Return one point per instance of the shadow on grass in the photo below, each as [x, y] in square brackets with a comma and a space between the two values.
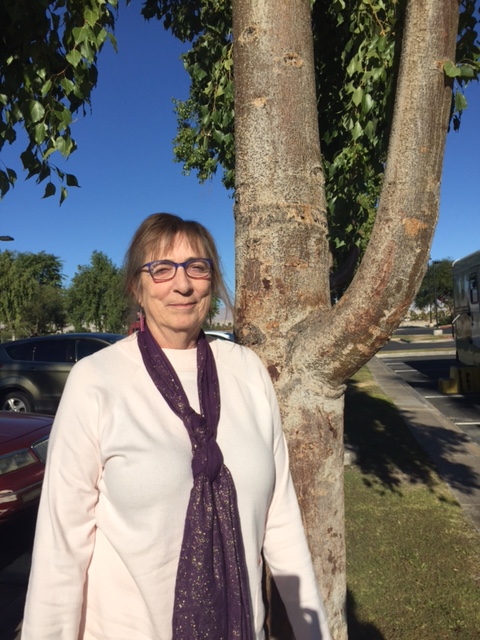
[358, 630]
[385, 449]
[382, 446]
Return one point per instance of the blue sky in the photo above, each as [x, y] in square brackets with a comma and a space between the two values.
[124, 164]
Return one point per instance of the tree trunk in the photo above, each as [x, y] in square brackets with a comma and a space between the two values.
[282, 295]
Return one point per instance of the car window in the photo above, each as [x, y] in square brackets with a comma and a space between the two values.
[86, 346]
[21, 351]
[51, 351]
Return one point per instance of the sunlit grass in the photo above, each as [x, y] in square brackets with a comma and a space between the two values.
[413, 566]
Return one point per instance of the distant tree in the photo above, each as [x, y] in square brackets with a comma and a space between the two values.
[96, 298]
[42, 268]
[45, 311]
[24, 279]
[437, 290]
[9, 303]
[213, 311]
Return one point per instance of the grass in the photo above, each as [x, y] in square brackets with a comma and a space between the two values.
[413, 558]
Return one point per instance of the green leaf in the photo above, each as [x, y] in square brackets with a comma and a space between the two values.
[466, 71]
[63, 195]
[46, 87]
[460, 101]
[357, 96]
[91, 16]
[50, 190]
[67, 85]
[80, 34]
[36, 110]
[357, 131]
[74, 57]
[367, 103]
[450, 69]
[40, 132]
[61, 145]
[71, 180]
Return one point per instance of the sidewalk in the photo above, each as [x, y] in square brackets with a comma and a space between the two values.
[456, 457]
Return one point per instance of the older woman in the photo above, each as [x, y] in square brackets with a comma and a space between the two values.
[167, 475]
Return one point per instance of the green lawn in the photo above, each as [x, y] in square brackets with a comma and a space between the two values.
[413, 558]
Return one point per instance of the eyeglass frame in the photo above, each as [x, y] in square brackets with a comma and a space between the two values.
[148, 267]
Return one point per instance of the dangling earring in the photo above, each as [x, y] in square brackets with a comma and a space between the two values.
[141, 320]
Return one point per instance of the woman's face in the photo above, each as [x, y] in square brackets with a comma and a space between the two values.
[175, 310]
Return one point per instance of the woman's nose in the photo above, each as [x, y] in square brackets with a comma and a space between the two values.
[182, 281]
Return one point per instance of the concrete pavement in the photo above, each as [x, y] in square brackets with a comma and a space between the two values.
[456, 457]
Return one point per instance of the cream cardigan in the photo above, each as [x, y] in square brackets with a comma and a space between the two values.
[116, 489]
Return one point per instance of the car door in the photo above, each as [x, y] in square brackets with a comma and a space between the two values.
[52, 362]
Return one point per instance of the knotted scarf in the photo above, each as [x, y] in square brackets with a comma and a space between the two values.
[211, 591]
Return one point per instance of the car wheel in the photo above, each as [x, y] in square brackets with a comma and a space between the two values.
[17, 401]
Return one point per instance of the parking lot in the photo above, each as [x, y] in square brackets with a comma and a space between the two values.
[422, 373]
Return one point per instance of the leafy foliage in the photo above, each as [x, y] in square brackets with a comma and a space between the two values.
[436, 289]
[33, 300]
[96, 298]
[357, 47]
[467, 65]
[205, 120]
[26, 281]
[45, 311]
[48, 54]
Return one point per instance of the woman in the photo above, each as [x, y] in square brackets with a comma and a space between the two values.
[167, 475]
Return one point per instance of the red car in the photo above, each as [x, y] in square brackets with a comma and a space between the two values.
[23, 450]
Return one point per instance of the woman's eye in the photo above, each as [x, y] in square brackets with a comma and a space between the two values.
[198, 267]
[161, 269]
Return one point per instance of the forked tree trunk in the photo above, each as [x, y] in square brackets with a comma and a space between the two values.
[282, 295]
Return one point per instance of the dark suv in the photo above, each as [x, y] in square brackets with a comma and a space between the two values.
[33, 371]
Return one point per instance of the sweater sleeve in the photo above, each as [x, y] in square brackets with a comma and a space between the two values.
[65, 532]
[285, 546]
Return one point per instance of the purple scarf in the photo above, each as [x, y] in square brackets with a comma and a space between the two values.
[211, 591]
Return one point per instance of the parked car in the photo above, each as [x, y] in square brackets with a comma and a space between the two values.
[223, 335]
[33, 371]
[23, 449]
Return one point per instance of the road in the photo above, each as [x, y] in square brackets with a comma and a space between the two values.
[412, 362]
[16, 540]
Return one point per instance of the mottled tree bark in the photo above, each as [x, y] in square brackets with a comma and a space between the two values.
[283, 306]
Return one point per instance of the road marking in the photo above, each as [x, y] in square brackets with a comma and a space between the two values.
[445, 397]
[465, 424]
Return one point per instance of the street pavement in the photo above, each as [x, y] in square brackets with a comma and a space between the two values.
[455, 455]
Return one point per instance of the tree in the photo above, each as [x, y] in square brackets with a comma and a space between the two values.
[280, 210]
[96, 297]
[436, 289]
[45, 310]
[24, 279]
[356, 56]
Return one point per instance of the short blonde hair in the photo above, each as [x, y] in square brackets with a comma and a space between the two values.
[157, 234]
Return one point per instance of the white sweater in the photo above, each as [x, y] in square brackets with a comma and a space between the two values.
[116, 489]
